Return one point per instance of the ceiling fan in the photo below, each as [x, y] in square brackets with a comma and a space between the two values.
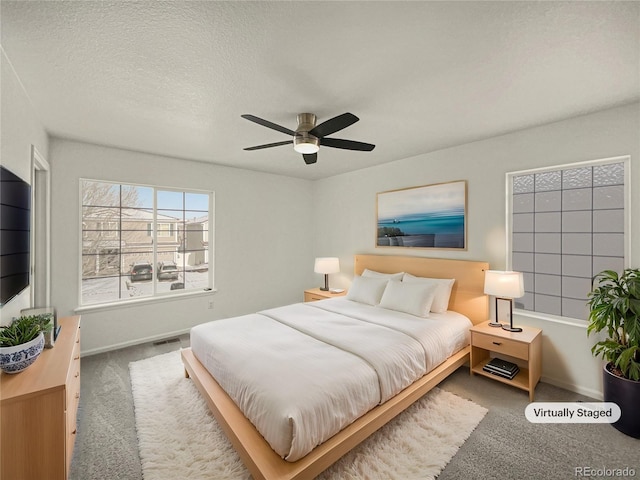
[308, 137]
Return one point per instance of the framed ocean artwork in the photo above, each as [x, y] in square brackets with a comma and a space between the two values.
[431, 216]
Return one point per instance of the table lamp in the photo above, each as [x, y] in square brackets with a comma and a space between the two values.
[326, 265]
[504, 286]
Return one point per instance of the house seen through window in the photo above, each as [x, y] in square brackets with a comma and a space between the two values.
[143, 241]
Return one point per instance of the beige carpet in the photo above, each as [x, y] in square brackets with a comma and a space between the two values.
[179, 438]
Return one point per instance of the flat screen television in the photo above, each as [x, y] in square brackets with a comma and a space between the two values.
[15, 235]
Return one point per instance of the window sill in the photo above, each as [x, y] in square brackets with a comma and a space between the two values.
[573, 322]
[98, 307]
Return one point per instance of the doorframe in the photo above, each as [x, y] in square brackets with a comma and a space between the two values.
[41, 230]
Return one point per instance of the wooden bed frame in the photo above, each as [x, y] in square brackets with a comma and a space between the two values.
[467, 297]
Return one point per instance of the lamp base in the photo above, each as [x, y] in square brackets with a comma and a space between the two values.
[326, 283]
[495, 324]
[511, 329]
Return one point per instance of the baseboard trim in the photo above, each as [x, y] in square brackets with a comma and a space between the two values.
[131, 343]
[588, 392]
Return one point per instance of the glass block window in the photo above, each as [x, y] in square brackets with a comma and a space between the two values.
[566, 224]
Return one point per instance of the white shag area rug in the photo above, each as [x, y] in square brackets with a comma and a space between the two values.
[178, 437]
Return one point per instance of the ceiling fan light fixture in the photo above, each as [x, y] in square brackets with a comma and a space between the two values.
[308, 136]
[305, 143]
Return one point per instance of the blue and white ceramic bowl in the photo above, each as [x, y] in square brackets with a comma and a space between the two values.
[15, 359]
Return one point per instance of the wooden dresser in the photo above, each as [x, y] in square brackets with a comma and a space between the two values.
[38, 411]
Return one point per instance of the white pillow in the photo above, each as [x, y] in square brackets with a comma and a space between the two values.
[367, 290]
[412, 298]
[443, 290]
[388, 276]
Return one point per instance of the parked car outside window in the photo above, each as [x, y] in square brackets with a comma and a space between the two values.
[141, 271]
[167, 271]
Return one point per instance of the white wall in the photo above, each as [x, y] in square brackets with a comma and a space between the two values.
[263, 240]
[345, 211]
[19, 130]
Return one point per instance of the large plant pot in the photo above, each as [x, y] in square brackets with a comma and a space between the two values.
[626, 394]
[17, 358]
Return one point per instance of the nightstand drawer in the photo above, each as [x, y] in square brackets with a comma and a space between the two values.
[309, 297]
[501, 345]
[314, 294]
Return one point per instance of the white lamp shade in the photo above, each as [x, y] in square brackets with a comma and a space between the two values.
[327, 265]
[504, 284]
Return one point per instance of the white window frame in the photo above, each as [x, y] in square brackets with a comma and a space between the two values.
[156, 296]
[626, 160]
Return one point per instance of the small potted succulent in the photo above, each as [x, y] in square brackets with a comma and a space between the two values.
[22, 342]
[614, 307]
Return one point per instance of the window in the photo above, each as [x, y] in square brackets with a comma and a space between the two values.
[565, 225]
[108, 229]
[165, 230]
[140, 241]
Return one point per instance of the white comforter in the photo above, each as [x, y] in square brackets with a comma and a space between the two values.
[303, 372]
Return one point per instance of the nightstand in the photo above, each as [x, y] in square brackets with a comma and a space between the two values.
[523, 348]
[313, 294]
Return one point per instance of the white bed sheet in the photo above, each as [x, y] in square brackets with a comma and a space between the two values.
[303, 372]
[397, 358]
[296, 390]
[441, 334]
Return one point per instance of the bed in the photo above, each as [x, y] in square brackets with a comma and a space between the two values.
[301, 331]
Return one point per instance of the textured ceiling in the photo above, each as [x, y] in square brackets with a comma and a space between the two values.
[173, 78]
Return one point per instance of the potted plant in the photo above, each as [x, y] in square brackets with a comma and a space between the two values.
[614, 307]
[22, 342]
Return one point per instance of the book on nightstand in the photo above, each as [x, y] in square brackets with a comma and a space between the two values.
[503, 368]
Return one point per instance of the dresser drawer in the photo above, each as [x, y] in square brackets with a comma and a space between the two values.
[72, 432]
[505, 346]
[73, 388]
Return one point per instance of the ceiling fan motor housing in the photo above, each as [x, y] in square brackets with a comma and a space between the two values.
[303, 142]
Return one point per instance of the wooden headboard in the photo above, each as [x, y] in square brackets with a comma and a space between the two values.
[467, 295]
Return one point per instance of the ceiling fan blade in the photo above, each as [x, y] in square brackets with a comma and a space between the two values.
[333, 125]
[346, 144]
[268, 124]
[310, 158]
[268, 145]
